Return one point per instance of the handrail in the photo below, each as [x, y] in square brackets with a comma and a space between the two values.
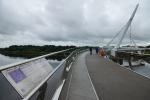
[63, 65]
[32, 59]
[48, 77]
[37, 88]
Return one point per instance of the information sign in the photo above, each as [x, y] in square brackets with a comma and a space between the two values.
[24, 78]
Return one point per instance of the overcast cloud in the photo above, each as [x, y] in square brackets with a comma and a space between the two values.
[70, 22]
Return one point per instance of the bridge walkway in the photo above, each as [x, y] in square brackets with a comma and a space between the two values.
[113, 82]
[96, 78]
[79, 85]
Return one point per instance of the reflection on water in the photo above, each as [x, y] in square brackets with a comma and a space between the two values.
[54, 63]
[5, 60]
[143, 70]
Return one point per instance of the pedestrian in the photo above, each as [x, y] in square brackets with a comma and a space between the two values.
[90, 50]
[102, 52]
[96, 49]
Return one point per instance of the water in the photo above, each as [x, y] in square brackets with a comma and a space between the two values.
[5, 60]
[54, 63]
[142, 70]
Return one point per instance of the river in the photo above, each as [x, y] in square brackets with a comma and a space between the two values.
[5, 60]
[142, 70]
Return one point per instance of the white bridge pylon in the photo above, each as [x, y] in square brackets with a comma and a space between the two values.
[125, 29]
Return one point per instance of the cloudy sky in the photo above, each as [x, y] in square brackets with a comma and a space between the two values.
[70, 22]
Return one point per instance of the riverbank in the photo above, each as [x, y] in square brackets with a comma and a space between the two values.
[30, 51]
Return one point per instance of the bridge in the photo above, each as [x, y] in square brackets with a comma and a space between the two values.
[131, 52]
[80, 76]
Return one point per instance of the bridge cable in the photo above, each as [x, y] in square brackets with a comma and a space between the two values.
[119, 32]
[131, 38]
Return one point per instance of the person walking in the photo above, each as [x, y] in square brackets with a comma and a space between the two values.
[90, 50]
[102, 52]
[96, 49]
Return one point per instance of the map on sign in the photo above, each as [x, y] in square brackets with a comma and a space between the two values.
[17, 75]
[24, 78]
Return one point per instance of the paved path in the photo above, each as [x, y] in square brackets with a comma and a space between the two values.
[113, 82]
[80, 87]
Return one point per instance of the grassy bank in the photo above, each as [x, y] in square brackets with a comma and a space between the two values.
[29, 51]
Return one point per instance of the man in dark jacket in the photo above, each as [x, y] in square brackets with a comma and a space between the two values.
[90, 50]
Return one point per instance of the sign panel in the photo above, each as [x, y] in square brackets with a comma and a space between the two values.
[24, 78]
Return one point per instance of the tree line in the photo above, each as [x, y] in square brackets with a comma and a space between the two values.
[30, 51]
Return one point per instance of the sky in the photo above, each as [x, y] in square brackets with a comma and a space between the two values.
[71, 22]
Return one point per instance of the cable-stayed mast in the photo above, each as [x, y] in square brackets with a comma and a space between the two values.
[127, 26]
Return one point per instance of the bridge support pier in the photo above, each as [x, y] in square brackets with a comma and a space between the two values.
[120, 60]
[130, 63]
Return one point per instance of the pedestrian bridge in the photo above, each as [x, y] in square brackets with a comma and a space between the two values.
[80, 76]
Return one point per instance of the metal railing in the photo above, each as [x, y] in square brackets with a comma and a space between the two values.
[30, 60]
[46, 89]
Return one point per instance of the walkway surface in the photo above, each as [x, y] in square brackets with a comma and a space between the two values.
[96, 78]
[113, 82]
[80, 85]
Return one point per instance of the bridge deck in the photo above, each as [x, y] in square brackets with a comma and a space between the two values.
[79, 85]
[113, 82]
[110, 81]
